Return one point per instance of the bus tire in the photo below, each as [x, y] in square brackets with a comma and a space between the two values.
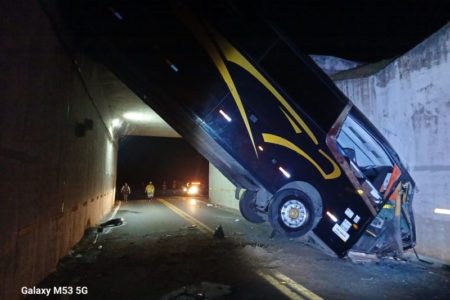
[248, 208]
[293, 213]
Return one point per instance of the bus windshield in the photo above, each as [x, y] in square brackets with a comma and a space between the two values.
[368, 152]
[368, 160]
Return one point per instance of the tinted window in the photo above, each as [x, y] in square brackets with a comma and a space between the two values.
[317, 96]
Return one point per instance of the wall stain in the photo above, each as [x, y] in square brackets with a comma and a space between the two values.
[424, 119]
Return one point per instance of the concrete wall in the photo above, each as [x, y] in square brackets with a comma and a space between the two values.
[54, 184]
[221, 190]
[409, 101]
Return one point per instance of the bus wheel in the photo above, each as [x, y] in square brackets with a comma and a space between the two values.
[248, 208]
[293, 213]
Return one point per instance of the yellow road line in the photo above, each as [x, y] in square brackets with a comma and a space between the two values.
[298, 287]
[281, 282]
[187, 217]
[279, 286]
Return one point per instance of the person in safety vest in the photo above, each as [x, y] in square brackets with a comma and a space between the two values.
[150, 190]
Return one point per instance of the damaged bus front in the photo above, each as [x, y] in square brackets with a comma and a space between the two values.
[380, 178]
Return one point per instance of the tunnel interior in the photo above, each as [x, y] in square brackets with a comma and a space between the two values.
[170, 163]
[60, 146]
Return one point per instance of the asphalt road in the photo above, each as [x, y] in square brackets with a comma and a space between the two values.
[166, 249]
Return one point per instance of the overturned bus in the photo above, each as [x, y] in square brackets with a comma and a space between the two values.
[235, 87]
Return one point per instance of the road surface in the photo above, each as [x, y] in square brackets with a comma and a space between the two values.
[166, 249]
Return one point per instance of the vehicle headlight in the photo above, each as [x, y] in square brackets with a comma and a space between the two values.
[193, 190]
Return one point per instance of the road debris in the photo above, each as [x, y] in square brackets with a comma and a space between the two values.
[206, 290]
[272, 234]
[361, 257]
[218, 233]
[113, 222]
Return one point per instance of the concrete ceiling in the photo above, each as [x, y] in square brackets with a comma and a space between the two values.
[120, 102]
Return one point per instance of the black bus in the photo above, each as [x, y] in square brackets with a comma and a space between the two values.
[301, 155]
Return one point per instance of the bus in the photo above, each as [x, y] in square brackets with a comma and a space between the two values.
[301, 155]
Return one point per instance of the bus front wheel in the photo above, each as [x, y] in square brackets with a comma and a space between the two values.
[247, 207]
[293, 213]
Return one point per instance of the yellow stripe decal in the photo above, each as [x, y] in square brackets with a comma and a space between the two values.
[232, 55]
[278, 140]
[336, 170]
[296, 128]
[208, 44]
[219, 48]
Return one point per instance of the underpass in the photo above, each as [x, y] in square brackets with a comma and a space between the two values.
[169, 247]
[61, 119]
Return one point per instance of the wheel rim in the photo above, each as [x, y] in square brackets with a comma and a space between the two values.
[294, 213]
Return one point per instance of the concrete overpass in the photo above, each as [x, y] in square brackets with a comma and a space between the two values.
[58, 140]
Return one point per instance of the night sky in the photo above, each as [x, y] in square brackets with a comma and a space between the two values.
[142, 159]
[366, 31]
[361, 30]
